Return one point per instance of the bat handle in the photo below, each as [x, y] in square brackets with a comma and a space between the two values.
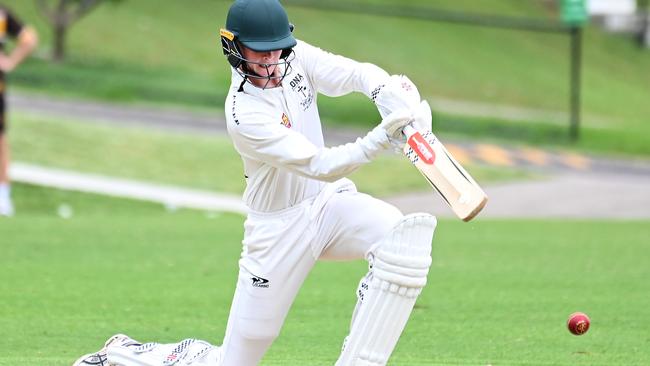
[409, 130]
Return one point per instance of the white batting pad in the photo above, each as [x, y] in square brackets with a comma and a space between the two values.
[187, 352]
[400, 267]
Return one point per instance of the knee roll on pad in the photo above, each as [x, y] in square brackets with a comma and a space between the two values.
[411, 236]
[399, 272]
[404, 257]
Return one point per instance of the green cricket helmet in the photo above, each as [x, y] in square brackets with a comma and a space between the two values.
[260, 25]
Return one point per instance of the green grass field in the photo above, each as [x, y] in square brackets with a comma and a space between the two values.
[140, 51]
[499, 291]
[76, 268]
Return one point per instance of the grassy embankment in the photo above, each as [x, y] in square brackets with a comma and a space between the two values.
[143, 52]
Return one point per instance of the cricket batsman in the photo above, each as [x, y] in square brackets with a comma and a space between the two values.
[301, 206]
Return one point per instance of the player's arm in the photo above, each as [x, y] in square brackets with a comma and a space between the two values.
[27, 40]
[259, 138]
[335, 75]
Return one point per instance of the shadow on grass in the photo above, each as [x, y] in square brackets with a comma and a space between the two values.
[120, 83]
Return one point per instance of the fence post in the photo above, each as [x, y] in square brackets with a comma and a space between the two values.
[576, 69]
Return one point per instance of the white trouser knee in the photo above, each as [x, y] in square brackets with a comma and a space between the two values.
[387, 294]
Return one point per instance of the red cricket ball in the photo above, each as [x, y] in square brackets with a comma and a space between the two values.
[578, 323]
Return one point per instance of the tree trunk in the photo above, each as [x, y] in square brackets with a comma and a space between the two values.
[644, 31]
[645, 35]
[59, 32]
[61, 14]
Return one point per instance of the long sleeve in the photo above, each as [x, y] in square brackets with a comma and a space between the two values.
[335, 75]
[280, 147]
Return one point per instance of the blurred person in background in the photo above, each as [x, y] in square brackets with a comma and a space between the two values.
[10, 27]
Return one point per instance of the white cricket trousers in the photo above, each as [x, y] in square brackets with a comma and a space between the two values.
[280, 248]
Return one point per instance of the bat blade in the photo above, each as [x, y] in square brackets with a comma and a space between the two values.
[444, 173]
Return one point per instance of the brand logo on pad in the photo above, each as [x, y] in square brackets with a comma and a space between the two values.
[260, 282]
[285, 121]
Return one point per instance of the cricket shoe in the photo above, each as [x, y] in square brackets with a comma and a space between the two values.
[194, 352]
[99, 358]
[6, 208]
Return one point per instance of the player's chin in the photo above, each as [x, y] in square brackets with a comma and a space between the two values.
[266, 69]
[267, 72]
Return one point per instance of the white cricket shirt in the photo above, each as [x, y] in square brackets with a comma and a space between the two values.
[278, 131]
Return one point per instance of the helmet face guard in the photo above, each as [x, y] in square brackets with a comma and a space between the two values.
[261, 26]
[232, 51]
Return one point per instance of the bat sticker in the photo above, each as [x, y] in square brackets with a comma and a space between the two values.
[422, 148]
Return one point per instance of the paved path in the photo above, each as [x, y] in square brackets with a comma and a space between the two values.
[578, 186]
[569, 195]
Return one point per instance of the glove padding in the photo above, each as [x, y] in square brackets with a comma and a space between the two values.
[399, 92]
[394, 123]
[386, 134]
[421, 121]
[422, 118]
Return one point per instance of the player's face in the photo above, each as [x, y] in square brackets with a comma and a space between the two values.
[262, 63]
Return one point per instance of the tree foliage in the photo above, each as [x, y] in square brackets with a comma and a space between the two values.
[61, 14]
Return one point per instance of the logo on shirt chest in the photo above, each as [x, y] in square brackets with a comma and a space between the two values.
[3, 26]
[285, 121]
[299, 86]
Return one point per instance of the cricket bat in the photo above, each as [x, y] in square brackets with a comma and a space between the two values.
[444, 173]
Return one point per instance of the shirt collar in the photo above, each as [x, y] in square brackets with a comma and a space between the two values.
[251, 89]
